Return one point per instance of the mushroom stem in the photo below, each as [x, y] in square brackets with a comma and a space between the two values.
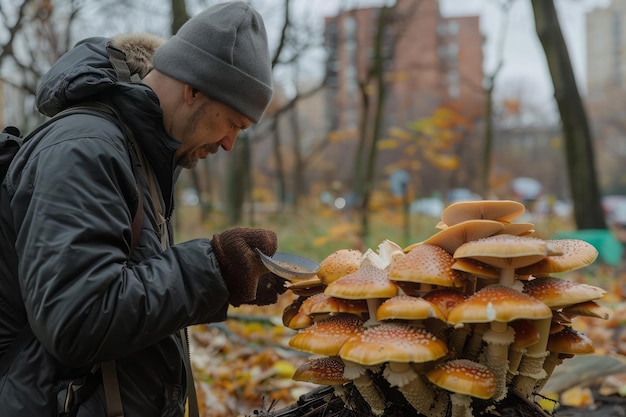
[531, 366]
[507, 276]
[475, 343]
[370, 393]
[553, 360]
[515, 357]
[372, 306]
[458, 336]
[498, 338]
[414, 389]
[461, 405]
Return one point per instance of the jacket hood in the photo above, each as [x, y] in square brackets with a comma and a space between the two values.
[85, 73]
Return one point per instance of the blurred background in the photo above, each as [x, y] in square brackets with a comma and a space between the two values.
[384, 112]
[385, 109]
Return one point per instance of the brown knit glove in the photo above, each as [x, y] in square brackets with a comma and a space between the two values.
[239, 262]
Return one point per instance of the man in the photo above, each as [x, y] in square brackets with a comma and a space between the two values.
[70, 269]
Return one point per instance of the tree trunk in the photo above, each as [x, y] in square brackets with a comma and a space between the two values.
[579, 154]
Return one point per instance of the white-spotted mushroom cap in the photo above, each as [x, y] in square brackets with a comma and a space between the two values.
[500, 304]
[425, 264]
[558, 293]
[326, 336]
[405, 307]
[570, 341]
[445, 299]
[339, 264]
[575, 254]
[463, 376]
[501, 210]
[587, 309]
[450, 238]
[321, 371]
[392, 342]
[506, 252]
[369, 281]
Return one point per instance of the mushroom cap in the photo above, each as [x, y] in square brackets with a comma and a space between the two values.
[426, 264]
[466, 377]
[475, 268]
[323, 303]
[405, 307]
[501, 210]
[498, 303]
[326, 336]
[525, 333]
[369, 281]
[321, 371]
[503, 250]
[518, 229]
[450, 238]
[338, 264]
[306, 287]
[445, 299]
[570, 341]
[557, 292]
[392, 342]
[587, 309]
[575, 254]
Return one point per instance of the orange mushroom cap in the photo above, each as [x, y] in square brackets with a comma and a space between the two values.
[321, 371]
[570, 341]
[445, 299]
[392, 342]
[575, 254]
[498, 303]
[339, 264]
[587, 309]
[557, 292]
[466, 377]
[368, 281]
[326, 337]
[426, 264]
[525, 334]
[405, 307]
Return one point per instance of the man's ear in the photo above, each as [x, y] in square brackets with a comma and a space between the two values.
[190, 94]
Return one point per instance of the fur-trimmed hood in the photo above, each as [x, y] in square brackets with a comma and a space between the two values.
[85, 70]
[139, 49]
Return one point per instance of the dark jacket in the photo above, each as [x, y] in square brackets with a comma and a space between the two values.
[66, 208]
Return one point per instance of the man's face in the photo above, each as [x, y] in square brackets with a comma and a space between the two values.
[211, 125]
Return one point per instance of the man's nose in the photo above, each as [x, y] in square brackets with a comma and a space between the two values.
[228, 142]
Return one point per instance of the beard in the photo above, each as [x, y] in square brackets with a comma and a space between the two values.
[189, 160]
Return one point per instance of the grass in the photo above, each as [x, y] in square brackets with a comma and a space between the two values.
[316, 233]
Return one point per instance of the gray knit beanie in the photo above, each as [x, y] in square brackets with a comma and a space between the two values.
[223, 53]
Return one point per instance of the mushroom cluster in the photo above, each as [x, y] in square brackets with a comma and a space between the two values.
[474, 311]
